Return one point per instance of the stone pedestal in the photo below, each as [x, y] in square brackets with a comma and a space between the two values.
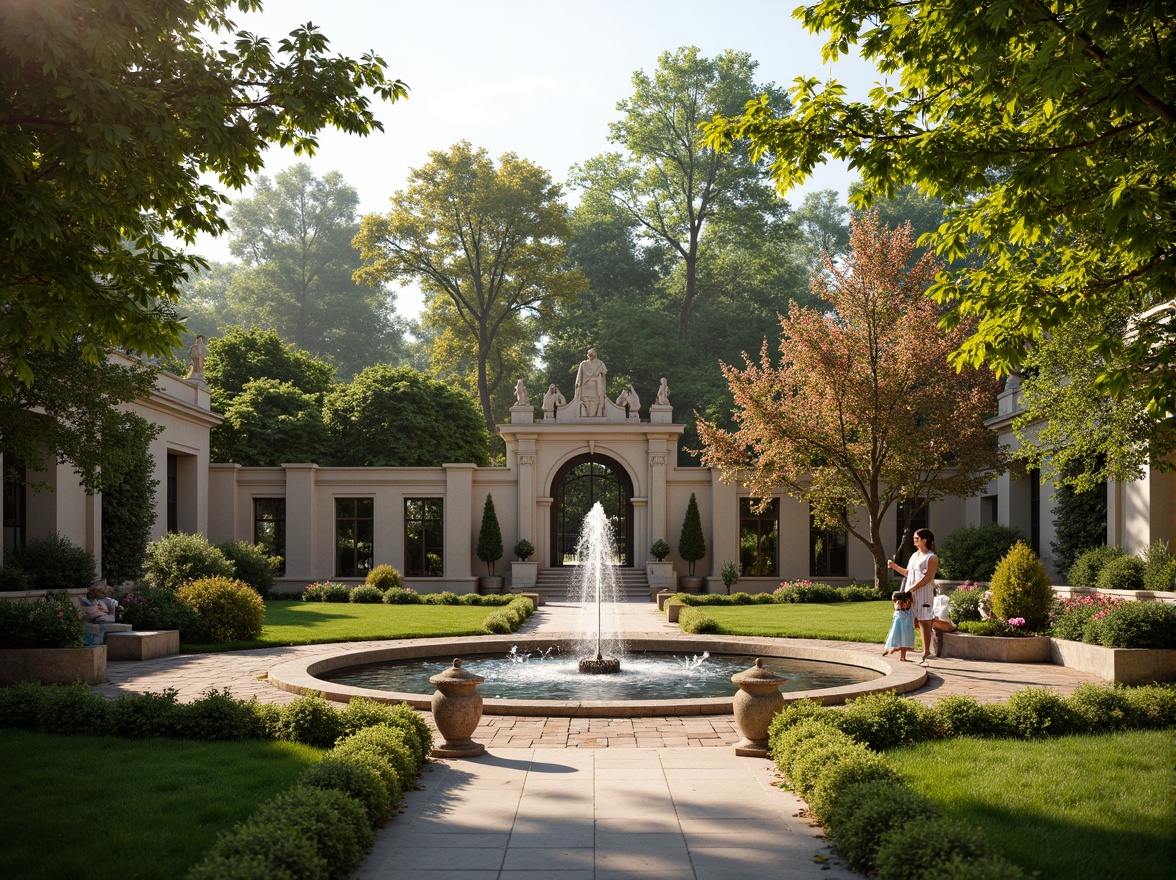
[758, 701]
[457, 709]
[523, 575]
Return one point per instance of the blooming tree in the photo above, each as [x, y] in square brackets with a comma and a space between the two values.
[862, 410]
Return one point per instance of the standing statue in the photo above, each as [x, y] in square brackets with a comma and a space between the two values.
[521, 398]
[663, 393]
[552, 401]
[629, 400]
[590, 386]
[198, 352]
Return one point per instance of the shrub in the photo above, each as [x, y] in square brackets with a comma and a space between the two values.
[1102, 710]
[445, 597]
[964, 602]
[659, 550]
[393, 743]
[524, 550]
[961, 715]
[1153, 706]
[1121, 573]
[1068, 617]
[857, 593]
[53, 563]
[500, 623]
[366, 595]
[402, 596]
[1035, 712]
[148, 608]
[14, 578]
[867, 812]
[805, 591]
[72, 710]
[1020, 588]
[49, 622]
[848, 765]
[369, 756]
[361, 714]
[406, 716]
[230, 610]
[251, 565]
[787, 744]
[1084, 572]
[337, 773]
[885, 720]
[489, 547]
[794, 713]
[937, 847]
[176, 558]
[325, 592]
[217, 716]
[20, 704]
[692, 620]
[145, 716]
[972, 553]
[691, 543]
[251, 852]
[310, 720]
[384, 577]
[1135, 625]
[1159, 573]
[128, 516]
[335, 823]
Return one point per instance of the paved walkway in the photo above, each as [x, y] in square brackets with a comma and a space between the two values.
[587, 798]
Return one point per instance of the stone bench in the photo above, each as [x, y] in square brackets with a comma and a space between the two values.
[146, 645]
[537, 598]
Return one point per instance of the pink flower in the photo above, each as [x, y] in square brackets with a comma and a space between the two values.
[1016, 621]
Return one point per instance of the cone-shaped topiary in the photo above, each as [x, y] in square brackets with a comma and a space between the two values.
[1021, 588]
[691, 543]
[490, 537]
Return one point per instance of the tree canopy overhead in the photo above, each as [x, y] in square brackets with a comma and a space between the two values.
[1048, 129]
[111, 113]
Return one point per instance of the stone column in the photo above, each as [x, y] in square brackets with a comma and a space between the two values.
[658, 454]
[543, 531]
[641, 537]
[525, 457]
[460, 526]
[301, 526]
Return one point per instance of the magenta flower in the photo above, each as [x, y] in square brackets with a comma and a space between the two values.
[1016, 621]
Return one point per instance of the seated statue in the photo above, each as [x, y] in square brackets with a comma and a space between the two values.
[97, 607]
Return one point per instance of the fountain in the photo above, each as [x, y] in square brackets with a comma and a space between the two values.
[595, 587]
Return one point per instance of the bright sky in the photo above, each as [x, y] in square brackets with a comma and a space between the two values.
[540, 78]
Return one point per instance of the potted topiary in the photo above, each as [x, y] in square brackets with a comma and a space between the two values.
[658, 572]
[691, 546]
[489, 549]
[523, 573]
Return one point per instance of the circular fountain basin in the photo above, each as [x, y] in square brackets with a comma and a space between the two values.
[876, 673]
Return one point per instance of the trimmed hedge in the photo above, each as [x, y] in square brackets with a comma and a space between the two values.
[510, 617]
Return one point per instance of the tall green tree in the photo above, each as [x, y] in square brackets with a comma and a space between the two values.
[1049, 132]
[111, 114]
[668, 181]
[294, 236]
[490, 238]
[128, 515]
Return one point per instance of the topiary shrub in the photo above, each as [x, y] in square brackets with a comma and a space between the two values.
[51, 562]
[393, 743]
[972, 553]
[1036, 712]
[366, 595]
[154, 608]
[384, 577]
[659, 550]
[309, 720]
[964, 602]
[866, 813]
[1134, 625]
[337, 773]
[961, 715]
[691, 542]
[251, 565]
[1020, 588]
[524, 550]
[1159, 574]
[788, 745]
[489, 548]
[1153, 706]
[176, 558]
[843, 767]
[1084, 572]
[939, 847]
[1121, 573]
[334, 822]
[128, 516]
[402, 596]
[692, 620]
[1102, 710]
[370, 756]
[445, 597]
[230, 610]
[405, 716]
[250, 852]
[325, 592]
[885, 720]
[805, 591]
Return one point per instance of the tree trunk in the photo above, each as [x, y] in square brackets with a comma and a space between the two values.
[691, 290]
[878, 551]
[484, 385]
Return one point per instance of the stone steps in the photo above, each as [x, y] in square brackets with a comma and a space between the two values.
[555, 582]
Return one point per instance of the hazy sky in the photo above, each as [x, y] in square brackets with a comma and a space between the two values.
[540, 78]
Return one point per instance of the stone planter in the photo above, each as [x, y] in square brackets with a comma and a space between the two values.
[1126, 665]
[457, 709]
[53, 665]
[491, 586]
[1003, 649]
[523, 575]
[672, 610]
[692, 585]
[660, 576]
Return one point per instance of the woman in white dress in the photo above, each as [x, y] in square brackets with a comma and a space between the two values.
[919, 581]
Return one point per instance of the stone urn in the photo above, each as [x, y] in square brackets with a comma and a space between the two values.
[757, 702]
[457, 709]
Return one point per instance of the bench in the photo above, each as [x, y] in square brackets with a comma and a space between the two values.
[145, 645]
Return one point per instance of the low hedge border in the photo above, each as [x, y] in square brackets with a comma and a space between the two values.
[510, 617]
[828, 755]
[788, 594]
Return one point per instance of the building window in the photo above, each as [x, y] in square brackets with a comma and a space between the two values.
[1035, 511]
[353, 537]
[173, 468]
[917, 521]
[828, 551]
[987, 509]
[424, 537]
[759, 538]
[269, 528]
[15, 516]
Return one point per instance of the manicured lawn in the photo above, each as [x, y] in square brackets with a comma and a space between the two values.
[307, 623]
[1081, 806]
[98, 807]
[847, 621]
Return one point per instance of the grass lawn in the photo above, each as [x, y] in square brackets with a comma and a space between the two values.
[1080, 806]
[98, 807]
[307, 623]
[847, 621]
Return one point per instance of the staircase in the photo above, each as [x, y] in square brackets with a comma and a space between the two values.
[554, 583]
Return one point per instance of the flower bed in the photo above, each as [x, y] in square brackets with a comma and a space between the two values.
[1004, 649]
[1124, 665]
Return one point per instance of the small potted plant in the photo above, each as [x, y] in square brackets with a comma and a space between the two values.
[691, 546]
[489, 549]
[523, 573]
[658, 572]
[730, 575]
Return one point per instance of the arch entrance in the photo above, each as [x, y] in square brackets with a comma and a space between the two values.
[580, 483]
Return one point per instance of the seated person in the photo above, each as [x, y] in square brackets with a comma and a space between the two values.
[97, 607]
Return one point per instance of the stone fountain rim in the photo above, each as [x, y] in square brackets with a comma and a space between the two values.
[300, 675]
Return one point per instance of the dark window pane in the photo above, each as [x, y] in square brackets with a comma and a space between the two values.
[424, 537]
[759, 538]
[269, 528]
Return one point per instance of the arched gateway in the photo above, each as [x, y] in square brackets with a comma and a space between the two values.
[582, 482]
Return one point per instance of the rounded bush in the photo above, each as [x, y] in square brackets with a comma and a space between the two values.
[393, 743]
[524, 550]
[145, 716]
[325, 592]
[805, 591]
[334, 822]
[659, 550]
[353, 779]
[1121, 573]
[1020, 588]
[1101, 709]
[498, 622]
[384, 577]
[867, 812]
[217, 715]
[446, 597]
[1153, 706]
[366, 595]
[857, 593]
[1138, 625]
[407, 716]
[1036, 712]
[692, 620]
[310, 720]
[72, 710]
[402, 596]
[230, 610]
[251, 565]
[176, 558]
[794, 713]
[369, 756]
[853, 766]
[793, 744]
[972, 553]
[961, 715]
[1085, 570]
[361, 714]
[148, 608]
[922, 850]
[1159, 573]
[885, 720]
[250, 852]
[52, 562]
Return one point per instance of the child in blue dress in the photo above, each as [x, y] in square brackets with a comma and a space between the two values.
[902, 628]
